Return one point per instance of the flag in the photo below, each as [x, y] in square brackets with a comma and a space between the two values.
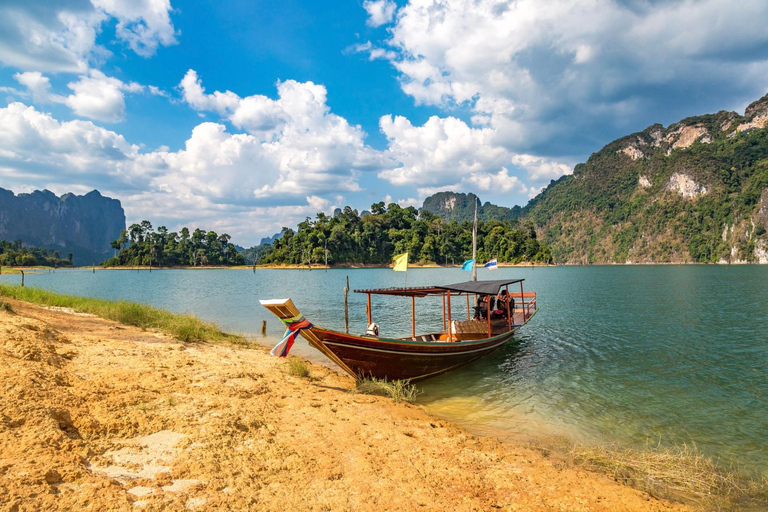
[293, 326]
[401, 263]
[468, 265]
[491, 265]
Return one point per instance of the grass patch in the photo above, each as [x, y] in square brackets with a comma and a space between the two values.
[5, 306]
[679, 473]
[298, 368]
[397, 390]
[182, 327]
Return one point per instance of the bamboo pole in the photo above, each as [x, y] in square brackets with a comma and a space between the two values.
[370, 321]
[413, 316]
[488, 313]
[442, 298]
[522, 300]
[509, 317]
[467, 306]
[346, 308]
[448, 298]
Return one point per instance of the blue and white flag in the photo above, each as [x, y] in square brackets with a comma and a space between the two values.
[491, 265]
[468, 265]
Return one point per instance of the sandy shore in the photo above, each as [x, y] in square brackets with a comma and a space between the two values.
[101, 416]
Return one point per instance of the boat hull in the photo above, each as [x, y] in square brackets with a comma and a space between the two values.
[392, 359]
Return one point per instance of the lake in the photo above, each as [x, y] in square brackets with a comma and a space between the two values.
[667, 354]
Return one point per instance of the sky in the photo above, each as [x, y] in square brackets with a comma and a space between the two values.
[245, 116]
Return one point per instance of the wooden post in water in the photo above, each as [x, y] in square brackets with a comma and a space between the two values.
[22, 278]
[93, 266]
[346, 308]
[263, 327]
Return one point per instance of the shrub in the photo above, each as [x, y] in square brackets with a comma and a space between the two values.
[397, 390]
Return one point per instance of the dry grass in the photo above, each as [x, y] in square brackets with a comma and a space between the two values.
[397, 390]
[298, 368]
[182, 327]
[5, 306]
[680, 473]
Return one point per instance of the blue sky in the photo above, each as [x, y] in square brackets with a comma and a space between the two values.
[246, 116]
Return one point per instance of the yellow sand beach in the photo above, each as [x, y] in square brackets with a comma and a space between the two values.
[102, 416]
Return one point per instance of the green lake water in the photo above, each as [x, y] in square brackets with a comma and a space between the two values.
[629, 354]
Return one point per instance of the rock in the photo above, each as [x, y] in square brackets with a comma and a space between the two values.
[83, 225]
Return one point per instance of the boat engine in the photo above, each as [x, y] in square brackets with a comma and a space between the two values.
[373, 330]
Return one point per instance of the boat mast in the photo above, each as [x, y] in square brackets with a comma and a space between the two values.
[474, 245]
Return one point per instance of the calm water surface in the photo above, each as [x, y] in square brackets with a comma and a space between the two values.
[660, 354]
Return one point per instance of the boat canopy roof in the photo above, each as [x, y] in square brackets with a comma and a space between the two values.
[476, 287]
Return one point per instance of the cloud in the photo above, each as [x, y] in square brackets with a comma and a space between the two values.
[38, 85]
[560, 76]
[61, 36]
[380, 12]
[142, 24]
[38, 148]
[446, 153]
[98, 97]
[310, 148]
[95, 95]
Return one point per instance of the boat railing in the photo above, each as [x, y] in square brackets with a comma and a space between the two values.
[525, 302]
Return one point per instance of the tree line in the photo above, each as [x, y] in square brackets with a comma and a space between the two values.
[140, 244]
[15, 254]
[374, 238]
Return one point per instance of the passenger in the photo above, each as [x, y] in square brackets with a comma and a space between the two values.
[479, 306]
[487, 306]
[502, 300]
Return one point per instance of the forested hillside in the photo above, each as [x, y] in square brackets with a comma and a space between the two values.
[143, 245]
[15, 254]
[386, 231]
[461, 207]
[696, 191]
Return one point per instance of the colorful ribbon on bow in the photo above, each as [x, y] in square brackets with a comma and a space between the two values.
[293, 326]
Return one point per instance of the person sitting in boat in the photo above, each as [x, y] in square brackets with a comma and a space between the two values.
[485, 305]
[479, 306]
[502, 299]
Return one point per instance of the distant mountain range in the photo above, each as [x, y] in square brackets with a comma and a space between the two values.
[81, 225]
[696, 191]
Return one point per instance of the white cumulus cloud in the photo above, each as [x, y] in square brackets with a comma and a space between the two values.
[446, 153]
[38, 85]
[309, 147]
[61, 36]
[380, 12]
[568, 73]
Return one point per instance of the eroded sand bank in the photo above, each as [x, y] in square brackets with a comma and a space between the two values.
[102, 416]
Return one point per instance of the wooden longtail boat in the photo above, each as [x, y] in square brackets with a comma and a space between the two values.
[422, 356]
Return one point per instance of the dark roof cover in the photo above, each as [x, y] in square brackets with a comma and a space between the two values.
[411, 291]
[478, 287]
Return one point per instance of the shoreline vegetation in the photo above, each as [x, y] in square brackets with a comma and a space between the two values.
[135, 356]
